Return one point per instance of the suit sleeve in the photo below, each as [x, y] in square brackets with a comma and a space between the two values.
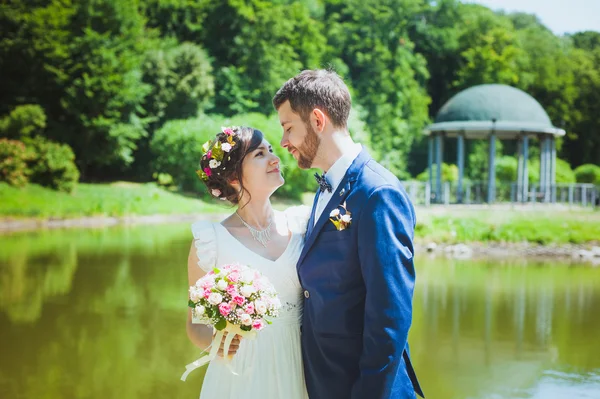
[386, 229]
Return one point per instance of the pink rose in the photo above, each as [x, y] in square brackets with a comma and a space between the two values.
[207, 293]
[228, 131]
[249, 308]
[234, 276]
[258, 324]
[208, 283]
[209, 154]
[207, 171]
[231, 290]
[224, 309]
[239, 300]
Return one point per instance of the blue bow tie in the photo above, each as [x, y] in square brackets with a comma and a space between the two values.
[323, 183]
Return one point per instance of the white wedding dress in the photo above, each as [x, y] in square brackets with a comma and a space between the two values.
[269, 366]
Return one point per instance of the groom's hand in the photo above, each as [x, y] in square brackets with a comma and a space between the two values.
[233, 347]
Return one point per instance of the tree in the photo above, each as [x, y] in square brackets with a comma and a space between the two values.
[80, 61]
[257, 46]
[371, 38]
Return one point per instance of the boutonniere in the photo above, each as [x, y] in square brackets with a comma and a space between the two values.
[341, 222]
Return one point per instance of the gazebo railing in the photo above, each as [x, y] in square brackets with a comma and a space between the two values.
[476, 192]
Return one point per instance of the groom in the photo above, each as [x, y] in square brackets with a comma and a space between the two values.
[356, 268]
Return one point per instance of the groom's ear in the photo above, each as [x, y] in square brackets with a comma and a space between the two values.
[318, 120]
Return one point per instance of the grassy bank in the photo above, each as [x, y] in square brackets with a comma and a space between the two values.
[541, 225]
[114, 199]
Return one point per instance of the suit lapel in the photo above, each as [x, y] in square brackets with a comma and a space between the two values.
[338, 197]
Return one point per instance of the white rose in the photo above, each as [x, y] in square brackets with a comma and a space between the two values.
[334, 213]
[214, 163]
[246, 319]
[346, 218]
[260, 307]
[226, 147]
[222, 285]
[247, 290]
[195, 294]
[247, 276]
[200, 310]
[215, 298]
[276, 303]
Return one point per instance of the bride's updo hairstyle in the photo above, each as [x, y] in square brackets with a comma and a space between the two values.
[222, 158]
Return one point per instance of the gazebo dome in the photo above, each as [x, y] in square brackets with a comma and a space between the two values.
[479, 110]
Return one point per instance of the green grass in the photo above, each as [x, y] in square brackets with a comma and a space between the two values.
[539, 225]
[115, 199]
[439, 224]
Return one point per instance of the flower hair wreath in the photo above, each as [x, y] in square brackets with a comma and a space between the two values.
[214, 151]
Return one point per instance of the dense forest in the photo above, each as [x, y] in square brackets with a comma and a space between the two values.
[103, 90]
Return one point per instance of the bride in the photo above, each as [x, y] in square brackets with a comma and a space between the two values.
[239, 166]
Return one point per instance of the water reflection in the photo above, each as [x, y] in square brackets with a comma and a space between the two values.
[487, 330]
[100, 313]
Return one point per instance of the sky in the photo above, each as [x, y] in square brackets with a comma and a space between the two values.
[561, 16]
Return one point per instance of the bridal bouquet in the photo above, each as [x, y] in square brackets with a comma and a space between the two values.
[234, 299]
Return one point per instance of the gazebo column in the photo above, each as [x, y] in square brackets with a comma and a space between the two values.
[460, 157]
[439, 151]
[430, 159]
[492, 170]
[544, 167]
[552, 141]
[524, 169]
[519, 195]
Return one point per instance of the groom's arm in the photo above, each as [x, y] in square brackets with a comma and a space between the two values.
[386, 259]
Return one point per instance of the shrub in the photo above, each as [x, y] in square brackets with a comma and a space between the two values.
[177, 150]
[13, 162]
[588, 173]
[449, 173]
[24, 121]
[52, 164]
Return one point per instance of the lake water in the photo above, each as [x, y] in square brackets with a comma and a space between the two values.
[100, 313]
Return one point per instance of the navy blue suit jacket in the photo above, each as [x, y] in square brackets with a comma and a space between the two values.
[358, 286]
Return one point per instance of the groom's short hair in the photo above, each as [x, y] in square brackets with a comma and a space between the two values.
[318, 88]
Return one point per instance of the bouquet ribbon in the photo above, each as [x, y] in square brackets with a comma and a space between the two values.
[229, 332]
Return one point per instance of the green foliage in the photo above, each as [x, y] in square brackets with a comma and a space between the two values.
[52, 165]
[103, 75]
[564, 173]
[506, 168]
[24, 121]
[181, 19]
[177, 147]
[13, 162]
[449, 173]
[181, 81]
[372, 39]
[588, 173]
[478, 159]
[257, 46]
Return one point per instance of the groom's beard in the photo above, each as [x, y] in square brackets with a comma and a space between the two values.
[308, 149]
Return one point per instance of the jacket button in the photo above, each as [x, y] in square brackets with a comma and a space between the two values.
[306, 294]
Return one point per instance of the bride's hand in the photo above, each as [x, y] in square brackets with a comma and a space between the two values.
[233, 347]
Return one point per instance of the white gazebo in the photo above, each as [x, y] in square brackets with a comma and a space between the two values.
[494, 112]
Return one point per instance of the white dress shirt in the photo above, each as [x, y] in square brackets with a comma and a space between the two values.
[334, 176]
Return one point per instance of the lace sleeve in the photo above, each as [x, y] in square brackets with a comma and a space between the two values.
[206, 244]
[297, 217]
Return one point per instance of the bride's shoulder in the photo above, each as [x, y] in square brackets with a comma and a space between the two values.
[297, 217]
[203, 229]
[205, 243]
